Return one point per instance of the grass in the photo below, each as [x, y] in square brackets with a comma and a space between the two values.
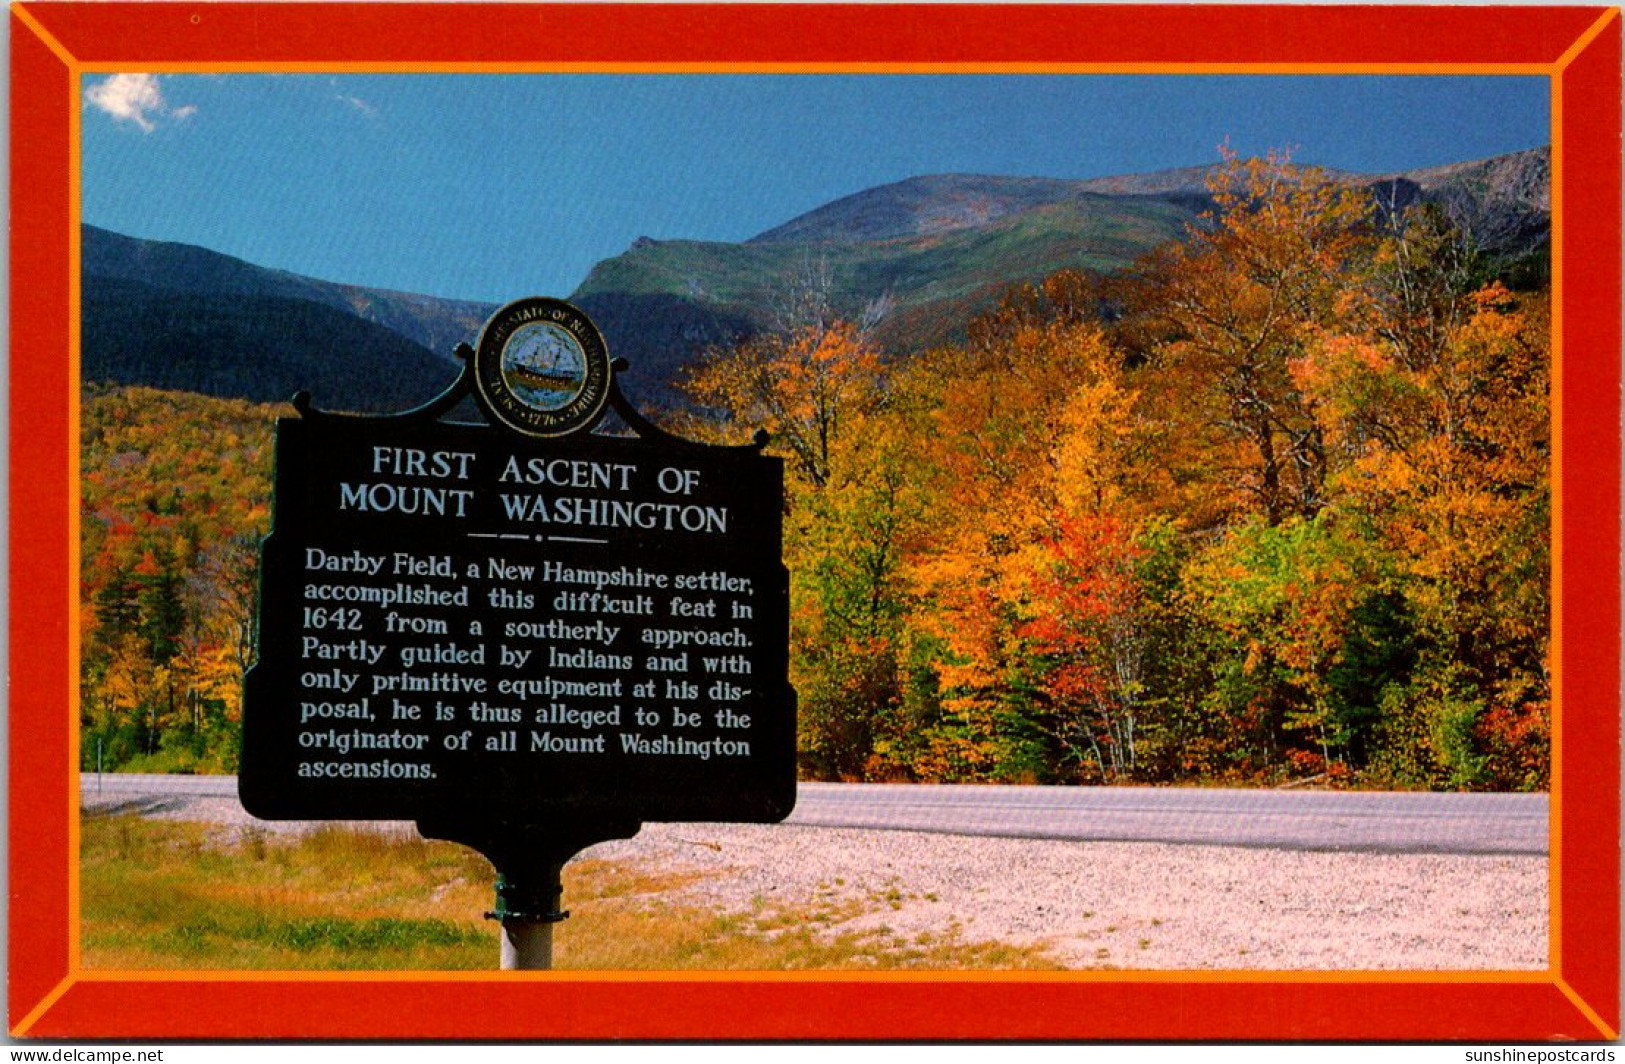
[170, 895]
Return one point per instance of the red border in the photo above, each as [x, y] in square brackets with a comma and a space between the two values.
[39, 529]
[846, 33]
[49, 997]
[1590, 480]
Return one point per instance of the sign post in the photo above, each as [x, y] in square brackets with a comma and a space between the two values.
[524, 636]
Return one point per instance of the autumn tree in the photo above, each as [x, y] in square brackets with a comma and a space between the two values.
[1222, 316]
[1448, 413]
[805, 381]
[846, 544]
[816, 384]
[175, 496]
[1026, 434]
[1085, 633]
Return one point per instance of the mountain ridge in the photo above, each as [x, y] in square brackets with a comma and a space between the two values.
[934, 248]
[1007, 191]
[434, 323]
[951, 201]
[252, 346]
[891, 243]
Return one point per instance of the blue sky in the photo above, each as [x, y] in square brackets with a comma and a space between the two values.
[494, 187]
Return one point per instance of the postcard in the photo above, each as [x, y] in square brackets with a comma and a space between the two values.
[814, 522]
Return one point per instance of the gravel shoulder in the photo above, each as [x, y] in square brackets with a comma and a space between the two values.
[1132, 905]
[1090, 904]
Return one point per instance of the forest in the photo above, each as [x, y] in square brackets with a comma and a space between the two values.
[1271, 507]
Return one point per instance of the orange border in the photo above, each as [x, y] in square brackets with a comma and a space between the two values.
[1577, 48]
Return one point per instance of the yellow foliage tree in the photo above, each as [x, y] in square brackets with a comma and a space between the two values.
[1222, 316]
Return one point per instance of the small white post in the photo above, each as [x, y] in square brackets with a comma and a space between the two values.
[527, 945]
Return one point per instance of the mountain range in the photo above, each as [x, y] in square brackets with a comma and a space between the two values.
[184, 317]
[929, 251]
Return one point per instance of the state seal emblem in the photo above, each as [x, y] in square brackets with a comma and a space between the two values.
[542, 368]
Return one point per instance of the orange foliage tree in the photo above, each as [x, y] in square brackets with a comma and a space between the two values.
[1272, 505]
[175, 493]
[1222, 316]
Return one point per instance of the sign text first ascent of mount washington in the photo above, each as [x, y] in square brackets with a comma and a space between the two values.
[460, 619]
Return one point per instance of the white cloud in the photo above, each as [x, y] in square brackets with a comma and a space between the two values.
[360, 105]
[134, 98]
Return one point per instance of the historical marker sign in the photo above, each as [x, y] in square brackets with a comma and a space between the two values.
[476, 622]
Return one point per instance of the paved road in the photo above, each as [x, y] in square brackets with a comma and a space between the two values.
[1304, 820]
[1298, 820]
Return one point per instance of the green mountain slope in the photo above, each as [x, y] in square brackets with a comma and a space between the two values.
[1095, 232]
[262, 348]
[932, 280]
[919, 206]
[940, 248]
[433, 323]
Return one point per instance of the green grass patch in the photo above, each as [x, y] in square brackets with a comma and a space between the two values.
[168, 895]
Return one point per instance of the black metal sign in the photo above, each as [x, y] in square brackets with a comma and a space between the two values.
[461, 623]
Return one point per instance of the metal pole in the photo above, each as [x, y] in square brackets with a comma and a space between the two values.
[529, 861]
[528, 907]
[527, 945]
